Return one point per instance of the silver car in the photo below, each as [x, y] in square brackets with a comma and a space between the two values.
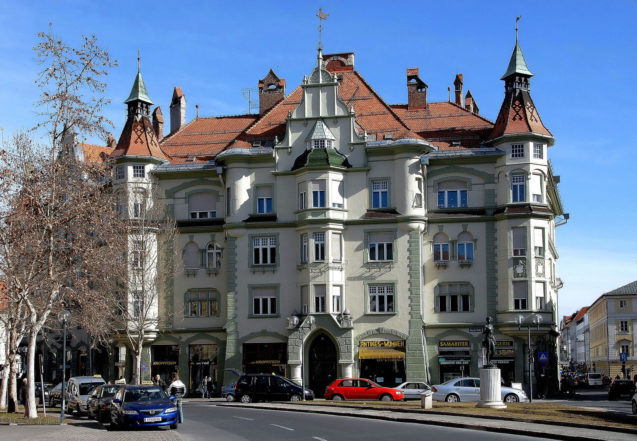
[413, 389]
[468, 389]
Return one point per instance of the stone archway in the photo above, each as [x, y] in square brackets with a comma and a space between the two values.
[322, 362]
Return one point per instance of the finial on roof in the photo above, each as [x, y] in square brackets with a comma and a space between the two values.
[138, 60]
[517, 19]
[321, 16]
[517, 64]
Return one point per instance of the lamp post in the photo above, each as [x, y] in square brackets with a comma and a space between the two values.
[536, 319]
[64, 318]
[302, 326]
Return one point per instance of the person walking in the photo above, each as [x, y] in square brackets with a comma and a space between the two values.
[158, 381]
[177, 388]
[204, 387]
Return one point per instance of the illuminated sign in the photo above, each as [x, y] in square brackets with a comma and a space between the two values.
[382, 344]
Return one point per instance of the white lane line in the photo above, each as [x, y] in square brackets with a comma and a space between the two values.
[243, 418]
[283, 427]
[318, 439]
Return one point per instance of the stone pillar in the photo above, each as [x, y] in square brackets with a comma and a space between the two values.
[347, 370]
[121, 362]
[295, 371]
[490, 388]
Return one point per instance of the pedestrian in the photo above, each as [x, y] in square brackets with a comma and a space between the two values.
[211, 387]
[24, 397]
[177, 389]
[158, 381]
[204, 387]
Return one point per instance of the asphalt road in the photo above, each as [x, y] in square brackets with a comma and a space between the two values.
[598, 399]
[207, 421]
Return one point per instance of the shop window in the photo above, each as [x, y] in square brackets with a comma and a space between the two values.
[380, 298]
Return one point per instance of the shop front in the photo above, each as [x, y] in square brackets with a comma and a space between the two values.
[382, 361]
[454, 359]
[164, 361]
[268, 358]
[202, 362]
[505, 359]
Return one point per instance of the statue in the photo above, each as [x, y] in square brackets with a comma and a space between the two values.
[489, 341]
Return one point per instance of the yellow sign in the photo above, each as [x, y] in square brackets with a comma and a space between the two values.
[464, 344]
[382, 344]
[504, 343]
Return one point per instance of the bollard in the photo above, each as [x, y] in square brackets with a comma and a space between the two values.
[426, 400]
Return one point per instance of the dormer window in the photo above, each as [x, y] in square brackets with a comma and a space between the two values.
[320, 137]
[321, 143]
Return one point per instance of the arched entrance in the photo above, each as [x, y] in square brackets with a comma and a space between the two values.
[322, 364]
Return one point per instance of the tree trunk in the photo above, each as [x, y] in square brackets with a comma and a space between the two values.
[31, 410]
[5, 383]
[138, 359]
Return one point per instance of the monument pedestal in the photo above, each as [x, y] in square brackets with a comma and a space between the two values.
[490, 388]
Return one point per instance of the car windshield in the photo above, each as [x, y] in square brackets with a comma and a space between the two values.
[109, 391]
[87, 388]
[372, 384]
[144, 394]
[595, 376]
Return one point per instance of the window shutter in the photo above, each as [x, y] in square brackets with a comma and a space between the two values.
[190, 256]
[519, 237]
[337, 194]
[452, 185]
[453, 244]
[336, 245]
[264, 192]
[201, 202]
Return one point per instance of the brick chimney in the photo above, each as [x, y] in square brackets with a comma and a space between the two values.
[271, 91]
[416, 90]
[158, 123]
[177, 110]
[470, 104]
[458, 85]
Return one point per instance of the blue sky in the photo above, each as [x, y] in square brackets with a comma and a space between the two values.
[581, 52]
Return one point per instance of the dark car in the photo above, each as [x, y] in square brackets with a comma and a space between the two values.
[228, 392]
[619, 388]
[268, 387]
[99, 403]
[55, 395]
[142, 406]
[38, 392]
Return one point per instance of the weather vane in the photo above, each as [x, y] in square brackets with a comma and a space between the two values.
[321, 16]
[138, 60]
[517, 19]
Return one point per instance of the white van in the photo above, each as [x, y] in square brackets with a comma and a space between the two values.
[78, 389]
[594, 379]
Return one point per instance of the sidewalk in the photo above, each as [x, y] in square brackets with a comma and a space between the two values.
[516, 427]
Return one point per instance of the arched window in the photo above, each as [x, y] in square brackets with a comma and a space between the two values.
[464, 247]
[192, 259]
[200, 302]
[213, 256]
[441, 247]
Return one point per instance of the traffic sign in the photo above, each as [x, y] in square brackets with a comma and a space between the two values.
[543, 358]
[623, 356]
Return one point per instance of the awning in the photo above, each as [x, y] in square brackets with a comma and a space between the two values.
[380, 353]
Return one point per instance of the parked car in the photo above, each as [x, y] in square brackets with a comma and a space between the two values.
[55, 395]
[633, 402]
[594, 379]
[38, 391]
[468, 389]
[619, 388]
[78, 390]
[99, 403]
[268, 387]
[228, 392]
[361, 389]
[143, 406]
[413, 389]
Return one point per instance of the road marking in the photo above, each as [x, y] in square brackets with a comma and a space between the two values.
[318, 439]
[283, 427]
[243, 418]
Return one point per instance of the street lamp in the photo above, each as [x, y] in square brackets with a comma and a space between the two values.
[64, 318]
[536, 319]
[302, 326]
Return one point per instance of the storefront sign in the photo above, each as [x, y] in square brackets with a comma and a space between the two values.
[502, 361]
[504, 343]
[382, 344]
[504, 352]
[164, 363]
[444, 361]
[454, 344]
[475, 330]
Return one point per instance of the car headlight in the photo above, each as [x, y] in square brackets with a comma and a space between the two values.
[399, 392]
[130, 412]
[170, 409]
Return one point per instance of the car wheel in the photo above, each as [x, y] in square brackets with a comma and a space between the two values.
[295, 398]
[634, 407]
[511, 398]
[246, 399]
[229, 398]
[386, 397]
[452, 398]
[173, 426]
[337, 397]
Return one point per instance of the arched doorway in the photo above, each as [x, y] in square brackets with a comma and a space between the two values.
[322, 364]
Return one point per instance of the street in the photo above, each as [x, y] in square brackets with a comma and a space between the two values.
[598, 399]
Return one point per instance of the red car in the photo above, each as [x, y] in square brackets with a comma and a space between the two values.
[361, 389]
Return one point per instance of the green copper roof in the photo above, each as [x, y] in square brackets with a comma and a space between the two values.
[320, 131]
[517, 65]
[321, 158]
[138, 92]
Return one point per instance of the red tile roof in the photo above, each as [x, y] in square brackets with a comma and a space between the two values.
[95, 153]
[518, 115]
[138, 139]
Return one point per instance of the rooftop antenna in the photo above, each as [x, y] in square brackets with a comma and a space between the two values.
[321, 16]
[247, 94]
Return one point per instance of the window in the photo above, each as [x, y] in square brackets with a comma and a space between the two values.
[537, 185]
[454, 297]
[538, 151]
[441, 248]
[381, 298]
[137, 255]
[519, 295]
[624, 349]
[519, 241]
[452, 198]
[418, 196]
[381, 246]
[264, 250]
[202, 206]
[319, 247]
[538, 241]
[319, 299]
[228, 202]
[120, 205]
[304, 248]
[318, 194]
[518, 193]
[465, 247]
[137, 300]
[337, 247]
[321, 143]
[517, 150]
[302, 196]
[264, 301]
[264, 200]
[213, 256]
[623, 326]
[191, 256]
[200, 303]
[540, 296]
[337, 195]
[337, 299]
[139, 171]
[623, 304]
[139, 204]
[120, 172]
[380, 194]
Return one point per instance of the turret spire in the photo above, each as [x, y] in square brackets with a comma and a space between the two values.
[517, 64]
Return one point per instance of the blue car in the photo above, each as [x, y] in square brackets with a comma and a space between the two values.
[142, 406]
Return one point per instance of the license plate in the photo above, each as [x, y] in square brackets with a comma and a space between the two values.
[152, 419]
